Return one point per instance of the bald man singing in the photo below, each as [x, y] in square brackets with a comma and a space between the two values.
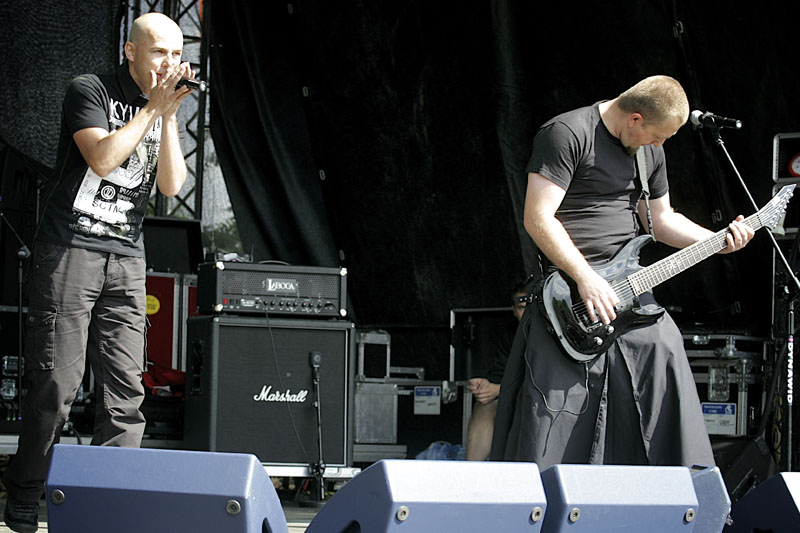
[119, 137]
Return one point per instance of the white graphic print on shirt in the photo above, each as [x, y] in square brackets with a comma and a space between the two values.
[105, 205]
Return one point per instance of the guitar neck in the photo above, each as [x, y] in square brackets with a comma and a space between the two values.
[660, 271]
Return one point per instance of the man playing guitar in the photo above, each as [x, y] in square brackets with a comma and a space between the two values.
[636, 402]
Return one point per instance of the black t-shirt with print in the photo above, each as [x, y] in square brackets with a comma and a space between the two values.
[82, 208]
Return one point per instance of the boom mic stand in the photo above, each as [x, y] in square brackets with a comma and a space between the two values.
[714, 131]
[318, 468]
[23, 253]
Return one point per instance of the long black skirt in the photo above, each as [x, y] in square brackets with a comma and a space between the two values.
[635, 404]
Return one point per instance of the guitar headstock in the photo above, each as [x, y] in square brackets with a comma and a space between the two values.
[771, 215]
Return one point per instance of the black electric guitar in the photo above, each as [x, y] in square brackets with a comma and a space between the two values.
[584, 340]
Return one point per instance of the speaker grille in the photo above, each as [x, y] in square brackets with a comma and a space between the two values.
[257, 283]
[247, 397]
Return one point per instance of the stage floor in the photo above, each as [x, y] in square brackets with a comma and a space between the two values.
[297, 517]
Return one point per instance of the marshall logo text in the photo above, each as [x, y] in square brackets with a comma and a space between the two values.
[266, 395]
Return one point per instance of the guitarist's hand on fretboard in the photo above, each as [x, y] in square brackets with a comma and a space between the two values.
[739, 234]
[598, 296]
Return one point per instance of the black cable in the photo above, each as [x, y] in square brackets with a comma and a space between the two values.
[780, 360]
[563, 409]
[772, 389]
[280, 380]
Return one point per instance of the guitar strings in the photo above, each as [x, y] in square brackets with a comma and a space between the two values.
[625, 291]
[623, 287]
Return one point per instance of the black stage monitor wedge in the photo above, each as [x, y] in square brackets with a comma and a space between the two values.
[254, 288]
[774, 505]
[97, 489]
[250, 389]
[172, 244]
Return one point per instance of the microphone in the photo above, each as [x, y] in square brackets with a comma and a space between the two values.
[200, 85]
[710, 120]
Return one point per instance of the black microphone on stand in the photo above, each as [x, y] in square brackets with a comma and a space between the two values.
[710, 120]
[199, 85]
[714, 124]
[317, 469]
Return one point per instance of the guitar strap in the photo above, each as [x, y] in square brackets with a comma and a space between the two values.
[641, 168]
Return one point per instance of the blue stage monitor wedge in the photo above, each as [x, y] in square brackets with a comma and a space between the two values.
[97, 489]
[437, 497]
[605, 498]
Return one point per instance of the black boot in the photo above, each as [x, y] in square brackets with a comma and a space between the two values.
[22, 517]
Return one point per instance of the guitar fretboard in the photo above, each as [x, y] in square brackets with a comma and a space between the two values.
[660, 271]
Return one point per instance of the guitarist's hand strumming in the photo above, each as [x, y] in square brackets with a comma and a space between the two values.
[599, 298]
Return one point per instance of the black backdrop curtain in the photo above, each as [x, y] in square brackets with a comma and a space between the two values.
[420, 115]
[259, 129]
[733, 62]
[399, 119]
[44, 43]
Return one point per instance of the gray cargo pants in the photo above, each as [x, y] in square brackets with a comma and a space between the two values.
[80, 303]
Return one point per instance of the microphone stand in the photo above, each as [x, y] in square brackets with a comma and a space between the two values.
[714, 130]
[318, 468]
[23, 253]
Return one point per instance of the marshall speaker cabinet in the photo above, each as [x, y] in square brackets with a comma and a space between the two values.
[249, 388]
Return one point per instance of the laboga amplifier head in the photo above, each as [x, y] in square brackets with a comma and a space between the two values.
[250, 288]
